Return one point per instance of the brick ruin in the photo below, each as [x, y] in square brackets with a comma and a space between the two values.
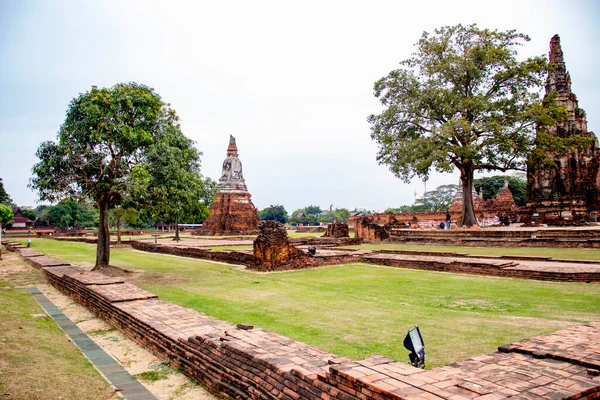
[273, 249]
[503, 203]
[337, 230]
[232, 211]
[570, 191]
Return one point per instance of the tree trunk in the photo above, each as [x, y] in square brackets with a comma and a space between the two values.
[118, 231]
[0, 240]
[176, 229]
[103, 248]
[468, 213]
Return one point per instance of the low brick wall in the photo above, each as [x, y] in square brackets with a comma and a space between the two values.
[243, 362]
[233, 257]
[501, 267]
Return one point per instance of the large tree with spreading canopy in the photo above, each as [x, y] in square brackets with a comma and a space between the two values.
[463, 100]
[102, 151]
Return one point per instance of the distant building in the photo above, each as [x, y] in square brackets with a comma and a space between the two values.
[21, 221]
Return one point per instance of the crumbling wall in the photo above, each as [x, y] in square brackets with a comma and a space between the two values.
[272, 248]
[338, 230]
[366, 229]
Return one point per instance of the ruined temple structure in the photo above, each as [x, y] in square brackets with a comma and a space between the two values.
[503, 204]
[570, 191]
[273, 249]
[337, 230]
[232, 211]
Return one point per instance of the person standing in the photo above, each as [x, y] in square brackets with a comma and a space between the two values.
[448, 220]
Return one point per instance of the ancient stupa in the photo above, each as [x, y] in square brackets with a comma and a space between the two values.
[573, 187]
[232, 211]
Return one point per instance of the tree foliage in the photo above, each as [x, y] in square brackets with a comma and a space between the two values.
[175, 189]
[101, 152]
[6, 215]
[438, 199]
[462, 101]
[273, 213]
[29, 213]
[308, 215]
[68, 213]
[517, 184]
[4, 197]
[335, 215]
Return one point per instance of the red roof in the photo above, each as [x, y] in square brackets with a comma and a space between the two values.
[19, 217]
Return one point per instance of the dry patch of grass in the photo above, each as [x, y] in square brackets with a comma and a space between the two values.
[37, 361]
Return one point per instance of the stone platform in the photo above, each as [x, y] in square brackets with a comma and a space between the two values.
[250, 363]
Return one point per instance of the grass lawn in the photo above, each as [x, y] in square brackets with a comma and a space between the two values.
[356, 310]
[37, 361]
[560, 253]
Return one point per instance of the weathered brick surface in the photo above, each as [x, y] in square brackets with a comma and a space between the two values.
[526, 268]
[580, 345]
[29, 252]
[337, 229]
[115, 293]
[44, 261]
[248, 363]
[234, 257]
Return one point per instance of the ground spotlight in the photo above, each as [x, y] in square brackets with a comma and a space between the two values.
[414, 343]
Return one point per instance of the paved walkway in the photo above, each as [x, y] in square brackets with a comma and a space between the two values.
[124, 383]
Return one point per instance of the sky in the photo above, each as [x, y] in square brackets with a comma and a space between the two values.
[292, 81]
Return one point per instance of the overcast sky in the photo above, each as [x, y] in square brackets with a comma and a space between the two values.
[292, 81]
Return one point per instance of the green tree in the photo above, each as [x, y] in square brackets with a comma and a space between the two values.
[4, 197]
[335, 215]
[119, 215]
[100, 147]
[313, 210]
[273, 213]
[176, 189]
[437, 200]
[6, 215]
[300, 216]
[68, 213]
[517, 184]
[462, 101]
[29, 213]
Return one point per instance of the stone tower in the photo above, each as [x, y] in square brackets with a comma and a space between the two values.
[232, 211]
[572, 188]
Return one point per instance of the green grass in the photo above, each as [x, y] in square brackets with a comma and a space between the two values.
[154, 375]
[36, 358]
[356, 310]
[559, 253]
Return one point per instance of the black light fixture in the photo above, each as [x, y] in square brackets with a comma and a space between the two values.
[413, 342]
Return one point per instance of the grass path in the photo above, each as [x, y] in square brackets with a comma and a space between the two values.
[356, 310]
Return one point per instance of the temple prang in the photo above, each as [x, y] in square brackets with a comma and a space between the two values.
[232, 211]
[571, 190]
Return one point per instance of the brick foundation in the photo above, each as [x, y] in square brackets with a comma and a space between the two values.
[250, 363]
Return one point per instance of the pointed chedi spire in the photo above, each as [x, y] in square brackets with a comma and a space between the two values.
[232, 148]
[558, 79]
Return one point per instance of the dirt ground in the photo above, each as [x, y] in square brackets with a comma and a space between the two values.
[153, 373]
